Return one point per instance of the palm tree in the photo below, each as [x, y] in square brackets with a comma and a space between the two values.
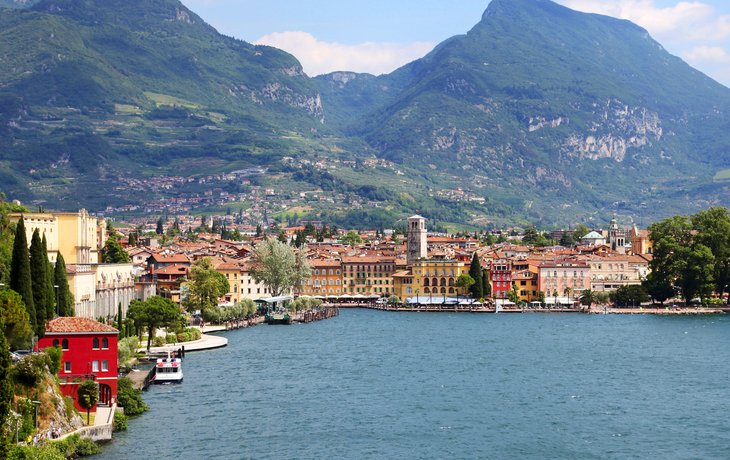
[588, 297]
[555, 298]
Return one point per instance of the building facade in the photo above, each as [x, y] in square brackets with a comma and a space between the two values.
[89, 353]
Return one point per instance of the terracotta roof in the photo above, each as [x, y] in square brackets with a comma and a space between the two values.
[77, 324]
[174, 269]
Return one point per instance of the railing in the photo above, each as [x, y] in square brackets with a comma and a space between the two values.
[75, 378]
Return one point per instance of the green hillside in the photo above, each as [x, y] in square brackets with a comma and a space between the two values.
[548, 114]
[542, 103]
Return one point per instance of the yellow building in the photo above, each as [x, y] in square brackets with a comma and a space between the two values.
[76, 235]
[97, 288]
[640, 242]
[430, 278]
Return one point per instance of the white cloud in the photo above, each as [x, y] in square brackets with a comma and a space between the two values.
[685, 22]
[318, 57]
[706, 55]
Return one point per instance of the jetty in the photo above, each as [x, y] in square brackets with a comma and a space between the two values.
[317, 315]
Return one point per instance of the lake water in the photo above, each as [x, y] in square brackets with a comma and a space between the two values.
[384, 385]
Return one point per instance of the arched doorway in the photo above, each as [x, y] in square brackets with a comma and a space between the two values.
[105, 394]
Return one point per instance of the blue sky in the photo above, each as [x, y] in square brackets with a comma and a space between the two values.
[379, 36]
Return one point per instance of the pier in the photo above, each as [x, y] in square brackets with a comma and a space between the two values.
[318, 315]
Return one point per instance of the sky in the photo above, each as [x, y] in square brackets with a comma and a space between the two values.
[378, 36]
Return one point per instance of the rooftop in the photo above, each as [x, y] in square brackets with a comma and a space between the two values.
[77, 324]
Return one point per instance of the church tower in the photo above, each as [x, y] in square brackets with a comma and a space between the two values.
[616, 237]
[416, 239]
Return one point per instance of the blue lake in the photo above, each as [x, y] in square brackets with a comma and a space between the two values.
[383, 385]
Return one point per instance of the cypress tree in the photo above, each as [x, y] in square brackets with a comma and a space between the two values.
[486, 287]
[38, 274]
[65, 301]
[6, 389]
[132, 240]
[20, 279]
[120, 321]
[475, 271]
[51, 306]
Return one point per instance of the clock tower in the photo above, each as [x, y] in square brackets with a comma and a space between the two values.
[416, 239]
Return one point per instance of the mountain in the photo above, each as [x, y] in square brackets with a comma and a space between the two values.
[86, 84]
[544, 114]
[549, 108]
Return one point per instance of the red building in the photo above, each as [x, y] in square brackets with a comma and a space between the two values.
[501, 278]
[89, 352]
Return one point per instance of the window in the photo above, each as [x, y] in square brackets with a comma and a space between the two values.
[235, 276]
[64, 344]
[228, 276]
[67, 367]
[337, 271]
[95, 366]
[332, 272]
[105, 366]
[56, 342]
[104, 343]
[95, 344]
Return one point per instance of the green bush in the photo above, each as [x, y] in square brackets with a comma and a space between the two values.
[71, 410]
[120, 422]
[172, 338]
[126, 349]
[129, 398]
[55, 354]
[85, 447]
[45, 452]
[29, 370]
[159, 341]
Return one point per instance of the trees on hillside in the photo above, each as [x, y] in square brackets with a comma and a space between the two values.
[7, 395]
[39, 277]
[205, 286]
[20, 276]
[16, 321]
[278, 267]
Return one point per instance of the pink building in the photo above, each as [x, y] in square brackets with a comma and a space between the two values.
[561, 274]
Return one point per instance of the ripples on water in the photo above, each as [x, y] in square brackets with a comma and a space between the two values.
[372, 384]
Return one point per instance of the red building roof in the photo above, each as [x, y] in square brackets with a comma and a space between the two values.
[76, 324]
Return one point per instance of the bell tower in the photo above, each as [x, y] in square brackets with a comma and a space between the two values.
[416, 239]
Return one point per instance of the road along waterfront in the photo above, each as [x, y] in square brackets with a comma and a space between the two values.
[373, 384]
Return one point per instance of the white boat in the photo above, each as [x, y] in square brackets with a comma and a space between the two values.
[168, 370]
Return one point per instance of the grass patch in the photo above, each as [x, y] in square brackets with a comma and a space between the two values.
[164, 99]
[722, 175]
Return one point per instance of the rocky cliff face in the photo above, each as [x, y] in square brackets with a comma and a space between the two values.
[617, 129]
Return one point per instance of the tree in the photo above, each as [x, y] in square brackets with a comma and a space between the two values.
[153, 313]
[301, 239]
[579, 232]
[282, 237]
[486, 286]
[475, 272]
[132, 240]
[513, 295]
[88, 393]
[541, 296]
[633, 295]
[567, 291]
[393, 300]
[65, 298]
[51, 306]
[659, 289]
[7, 395]
[159, 230]
[205, 286]
[20, 276]
[713, 231]
[352, 238]
[38, 267]
[567, 240]
[682, 258]
[278, 267]
[16, 320]
[588, 297]
[120, 322]
[464, 281]
[531, 236]
[113, 253]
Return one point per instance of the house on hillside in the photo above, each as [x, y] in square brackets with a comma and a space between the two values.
[89, 353]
